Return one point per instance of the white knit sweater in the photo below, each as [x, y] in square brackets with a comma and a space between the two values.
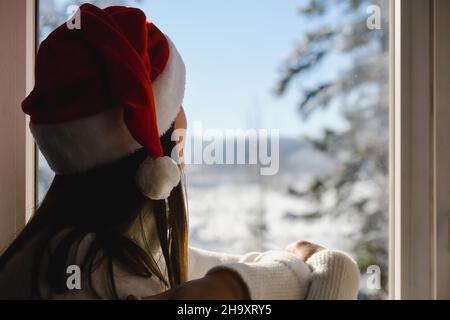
[274, 275]
[269, 275]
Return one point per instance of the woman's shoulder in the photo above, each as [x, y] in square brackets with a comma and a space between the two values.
[16, 278]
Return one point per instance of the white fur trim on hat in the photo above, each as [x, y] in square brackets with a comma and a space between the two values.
[80, 145]
[156, 177]
[168, 90]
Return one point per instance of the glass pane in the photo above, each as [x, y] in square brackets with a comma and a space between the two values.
[312, 76]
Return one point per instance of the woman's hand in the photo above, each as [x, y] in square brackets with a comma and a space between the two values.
[216, 285]
[303, 249]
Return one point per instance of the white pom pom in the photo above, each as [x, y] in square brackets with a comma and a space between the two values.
[156, 177]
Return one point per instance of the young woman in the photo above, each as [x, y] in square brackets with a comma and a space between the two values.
[104, 112]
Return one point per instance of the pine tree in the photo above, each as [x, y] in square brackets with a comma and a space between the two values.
[360, 91]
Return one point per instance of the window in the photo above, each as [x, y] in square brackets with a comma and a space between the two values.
[17, 169]
[313, 76]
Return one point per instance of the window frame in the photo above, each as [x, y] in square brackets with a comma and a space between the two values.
[441, 135]
[17, 165]
[411, 175]
[419, 150]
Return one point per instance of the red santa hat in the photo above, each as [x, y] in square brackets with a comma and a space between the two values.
[106, 90]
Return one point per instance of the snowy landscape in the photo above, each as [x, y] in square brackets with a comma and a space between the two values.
[232, 208]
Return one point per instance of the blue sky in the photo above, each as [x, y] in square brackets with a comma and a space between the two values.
[233, 51]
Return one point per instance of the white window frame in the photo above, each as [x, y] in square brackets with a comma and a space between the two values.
[419, 139]
[441, 135]
[420, 150]
[410, 152]
[17, 160]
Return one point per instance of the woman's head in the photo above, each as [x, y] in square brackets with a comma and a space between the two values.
[124, 90]
[99, 128]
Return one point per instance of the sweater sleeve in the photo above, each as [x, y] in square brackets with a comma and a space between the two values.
[269, 275]
[335, 276]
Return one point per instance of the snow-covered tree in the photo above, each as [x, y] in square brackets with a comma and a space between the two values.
[350, 36]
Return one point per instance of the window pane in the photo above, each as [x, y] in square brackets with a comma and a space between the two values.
[312, 75]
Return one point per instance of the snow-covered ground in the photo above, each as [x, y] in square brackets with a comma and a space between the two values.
[222, 218]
